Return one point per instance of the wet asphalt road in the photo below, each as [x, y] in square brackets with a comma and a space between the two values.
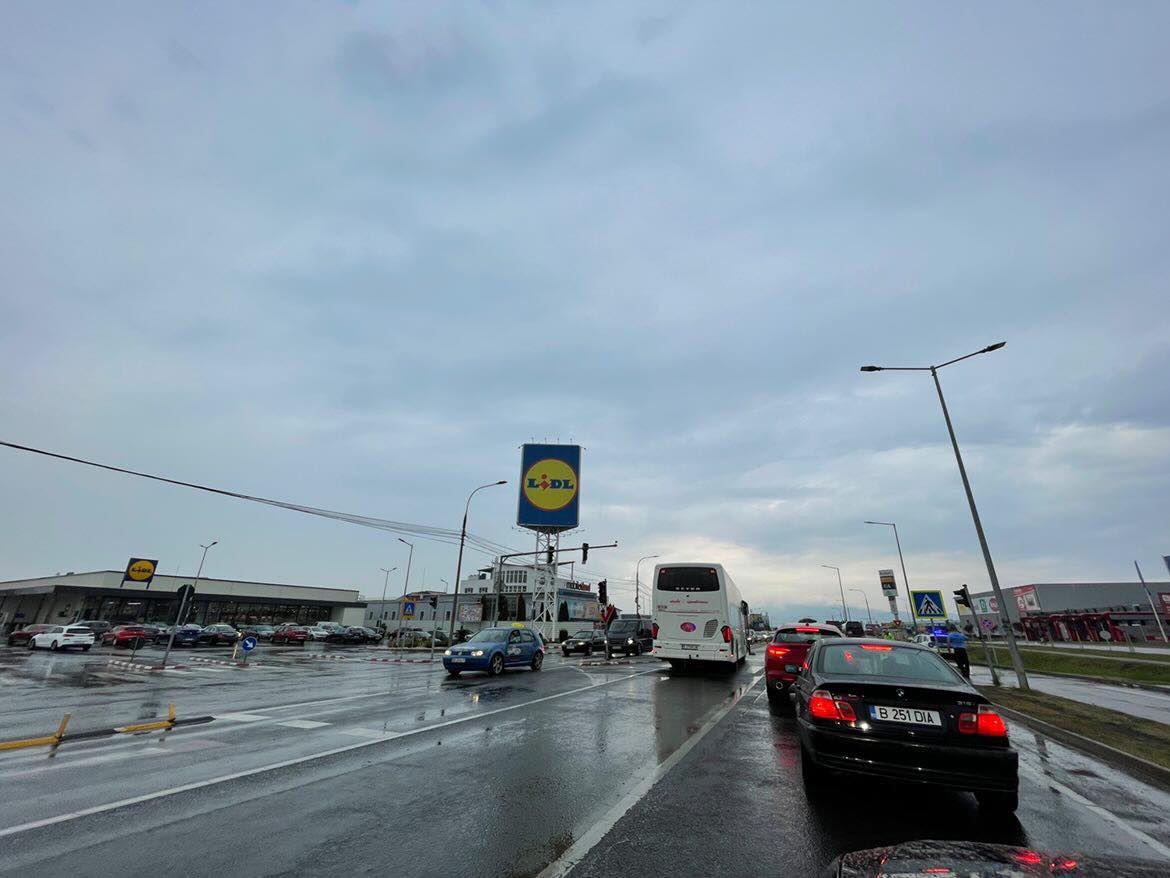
[360, 767]
[1145, 703]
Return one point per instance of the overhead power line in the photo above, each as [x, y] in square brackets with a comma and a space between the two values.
[426, 532]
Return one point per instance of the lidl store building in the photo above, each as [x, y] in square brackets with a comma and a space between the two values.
[100, 594]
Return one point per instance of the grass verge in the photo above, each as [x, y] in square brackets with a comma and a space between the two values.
[1115, 655]
[1106, 670]
[1143, 738]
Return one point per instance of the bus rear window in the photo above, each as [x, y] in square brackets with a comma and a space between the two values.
[688, 579]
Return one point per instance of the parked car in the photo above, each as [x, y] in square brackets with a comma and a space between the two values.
[290, 634]
[185, 635]
[130, 636]
[587, 641]
[62, 637]
[899, 711]
[21, 636]
[494, 649]
[260, 632]
[349, 636]
[372, 635]
[97, 626]
[318, 633]
[219, 634]
[785, 655]
[630, 635]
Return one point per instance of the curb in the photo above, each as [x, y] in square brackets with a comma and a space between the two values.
[402, 660]
[133, 666]
[1106, 681]
[208, 661]
[1143, 769]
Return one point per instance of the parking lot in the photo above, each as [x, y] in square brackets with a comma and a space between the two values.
[340, 757]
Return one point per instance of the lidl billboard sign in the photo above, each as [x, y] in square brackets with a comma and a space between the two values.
[550, 487]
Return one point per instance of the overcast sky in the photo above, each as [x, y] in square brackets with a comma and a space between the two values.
[352, 255]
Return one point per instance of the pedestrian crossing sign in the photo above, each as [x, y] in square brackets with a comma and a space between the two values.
[929, 605]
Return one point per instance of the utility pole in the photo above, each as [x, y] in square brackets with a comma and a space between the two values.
[183, 604]
[405, 586]
[840, 585]
[867, 612]
[1150, 598]
[637, 589]
[385, 585]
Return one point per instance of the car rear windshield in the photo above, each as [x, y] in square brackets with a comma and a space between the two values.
[881, 660]
[688, 579]
[78, 631]
[583, 634]
[490, 635]
[803, 634]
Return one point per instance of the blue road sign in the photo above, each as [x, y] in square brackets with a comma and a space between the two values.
[249, 643]
[929, 605]
[408, 610]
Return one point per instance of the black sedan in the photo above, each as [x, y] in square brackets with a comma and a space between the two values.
[346, 635]
[897, 710]
[587, 641]
[220, 634]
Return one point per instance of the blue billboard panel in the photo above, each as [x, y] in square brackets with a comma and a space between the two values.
[550, 487]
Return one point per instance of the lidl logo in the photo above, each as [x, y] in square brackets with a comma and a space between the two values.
[550, 484]
[140, 571]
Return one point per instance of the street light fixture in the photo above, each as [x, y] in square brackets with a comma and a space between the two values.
[183, 603]
[637, 592]
[867, 610]
[459, 564]
[905, 580]
[841, 586]
[405, 586]
[1006, 622]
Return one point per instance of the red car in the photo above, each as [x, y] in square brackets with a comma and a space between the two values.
[127, 636]
[785, 656]
[290, 634]
[21, 637]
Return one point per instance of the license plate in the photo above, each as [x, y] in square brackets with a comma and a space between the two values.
[689, 646]
[910, 715]
[457, 661]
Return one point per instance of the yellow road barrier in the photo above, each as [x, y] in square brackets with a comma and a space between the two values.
[50, 741]
[149, 727]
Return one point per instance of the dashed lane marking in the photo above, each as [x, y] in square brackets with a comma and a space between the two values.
[302, 724]
[242, 717]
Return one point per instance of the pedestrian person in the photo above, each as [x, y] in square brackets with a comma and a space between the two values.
[958, 642]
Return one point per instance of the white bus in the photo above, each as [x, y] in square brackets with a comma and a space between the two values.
[699, 615]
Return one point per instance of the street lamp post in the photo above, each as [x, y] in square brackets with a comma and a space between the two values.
[183, 604]
[385, 585]
[905, 580]
[867, 612]
[841, 586]
[637, 591]
[1005, 619]
[459, 563]
[405, 586]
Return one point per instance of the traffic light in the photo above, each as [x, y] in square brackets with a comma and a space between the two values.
[434, 601]
[602, 595]
[550, 556]
[584, 552]
[962, 597]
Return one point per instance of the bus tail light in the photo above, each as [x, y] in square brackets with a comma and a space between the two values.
[726, 631]
[654, 631]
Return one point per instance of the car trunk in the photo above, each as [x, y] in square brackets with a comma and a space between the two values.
[912, 702]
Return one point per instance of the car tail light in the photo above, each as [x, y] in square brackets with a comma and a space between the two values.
[986, 722]
[654, 630]
[776, 651]
[809, 630]
[991, 723]
[823, 706]
[876, 647]
[726, 632]
[1029, 858]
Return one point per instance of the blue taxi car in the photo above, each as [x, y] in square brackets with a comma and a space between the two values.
[494, 649]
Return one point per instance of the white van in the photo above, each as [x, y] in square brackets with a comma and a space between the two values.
[699, 615]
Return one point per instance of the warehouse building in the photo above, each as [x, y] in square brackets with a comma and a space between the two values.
[1126, 604]
[101, 594]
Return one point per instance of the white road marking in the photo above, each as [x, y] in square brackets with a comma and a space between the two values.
[242, 717]
[587, 841]
[1073, 795]
[301, 760]
[302, 724]
[367, 733]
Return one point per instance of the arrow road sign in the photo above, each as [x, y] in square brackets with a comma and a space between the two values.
[929, 605]
[249, 643]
